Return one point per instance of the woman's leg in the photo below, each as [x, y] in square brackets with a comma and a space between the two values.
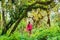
[29, 32]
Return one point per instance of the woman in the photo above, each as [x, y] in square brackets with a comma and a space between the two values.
[29, 28]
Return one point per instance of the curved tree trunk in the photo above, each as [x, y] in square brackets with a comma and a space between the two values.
[16, 24]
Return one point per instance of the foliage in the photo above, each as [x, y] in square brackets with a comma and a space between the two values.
[51, 33]
[40, 10]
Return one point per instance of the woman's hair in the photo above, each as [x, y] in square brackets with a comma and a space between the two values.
[29, 22]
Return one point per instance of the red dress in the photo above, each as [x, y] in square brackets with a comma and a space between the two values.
[29, 27]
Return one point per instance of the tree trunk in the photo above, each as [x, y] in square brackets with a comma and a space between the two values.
[16, 24]
[7, 27]
[48, 15]
[3, 20]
